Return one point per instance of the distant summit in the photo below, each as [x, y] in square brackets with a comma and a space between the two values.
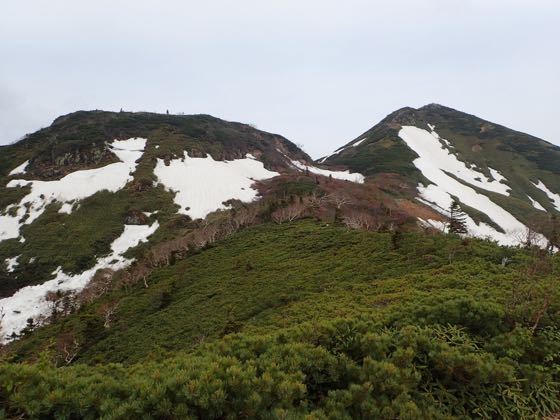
[506, 181]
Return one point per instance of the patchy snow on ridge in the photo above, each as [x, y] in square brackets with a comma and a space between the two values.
[344, 175]
[12, 263]
[535, 203]
[554, 198]
[201, 185]
[21, 169]
[337, 151]
[436, 164]
[74, 186]
[31, 302]
[359, 142]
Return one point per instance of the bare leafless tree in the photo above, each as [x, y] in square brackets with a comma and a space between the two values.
[109, 311]
[527, 237]
[99, 285]
[539, 313]
[316, 200]
[2, 332]
[359, 219]
[246, 216]
[339, 199]
[288, 213]
[68, 347]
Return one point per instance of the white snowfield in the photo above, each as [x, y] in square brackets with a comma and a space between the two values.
[201, 185]
[554, 198]
[71, 188]
[30, 301]
[21, 169]
[436, 164]
[427, 145]
[344, 175]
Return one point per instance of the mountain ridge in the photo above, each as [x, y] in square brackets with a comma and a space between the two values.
[187, 267]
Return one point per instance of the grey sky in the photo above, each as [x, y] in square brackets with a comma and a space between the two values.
[319, 72]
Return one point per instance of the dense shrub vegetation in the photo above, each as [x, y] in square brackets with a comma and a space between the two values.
[308, 320]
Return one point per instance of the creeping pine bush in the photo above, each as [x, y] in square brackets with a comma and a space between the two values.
[339, 369]
[303, 320]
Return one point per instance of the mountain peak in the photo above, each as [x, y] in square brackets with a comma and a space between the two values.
[434, 106]
[78, 140]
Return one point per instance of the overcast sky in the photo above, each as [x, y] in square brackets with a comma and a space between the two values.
[319, 72]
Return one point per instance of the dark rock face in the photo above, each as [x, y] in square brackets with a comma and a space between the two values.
[136, 217]
[64, 163]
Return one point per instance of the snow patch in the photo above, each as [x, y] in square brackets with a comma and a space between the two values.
[344, 175]
[496, 175]
[436, 164]
[536, 204]
[66, 208]
[359, 142]
[12, 263]
[201, 185]
[431, 223]
[31, 302]
[555, 198]
[74, 186]
[336, 152]
[21, 169]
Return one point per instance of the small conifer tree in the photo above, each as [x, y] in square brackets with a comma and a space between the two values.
[457, 218]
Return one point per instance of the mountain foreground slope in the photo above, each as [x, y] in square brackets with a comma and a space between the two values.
[189, 267]
[306, 320]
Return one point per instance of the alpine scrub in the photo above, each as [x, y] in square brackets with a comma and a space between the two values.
[340, 369]
[437, 328]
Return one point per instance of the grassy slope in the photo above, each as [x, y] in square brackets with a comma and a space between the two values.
[434, 328]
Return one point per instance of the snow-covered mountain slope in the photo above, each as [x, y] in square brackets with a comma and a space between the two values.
[449, 177]
[71, 188]
[32, 302]
[507, 182]
[96, 189]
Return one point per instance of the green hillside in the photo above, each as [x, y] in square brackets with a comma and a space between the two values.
[307, 320]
